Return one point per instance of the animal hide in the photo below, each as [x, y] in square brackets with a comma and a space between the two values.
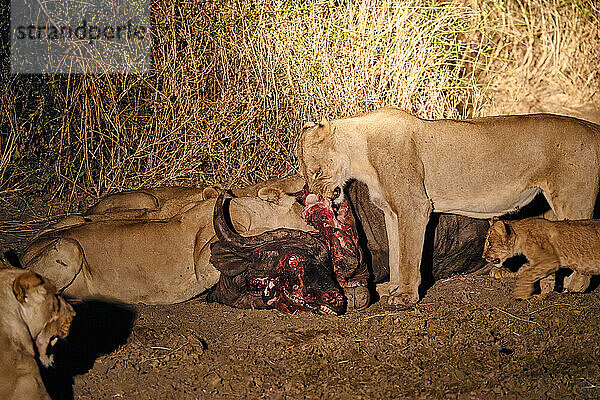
[453, 243]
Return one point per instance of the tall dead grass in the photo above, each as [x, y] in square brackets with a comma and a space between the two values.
[553, 53]
[232, 82]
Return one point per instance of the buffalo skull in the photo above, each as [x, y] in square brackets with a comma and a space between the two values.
[286, 269]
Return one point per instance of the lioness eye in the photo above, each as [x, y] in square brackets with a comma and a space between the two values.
[318, 173]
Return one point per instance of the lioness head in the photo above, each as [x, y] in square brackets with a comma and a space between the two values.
[47, 315]
[499, 242]
[325, 167]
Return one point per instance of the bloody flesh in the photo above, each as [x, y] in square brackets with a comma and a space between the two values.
[338, 229]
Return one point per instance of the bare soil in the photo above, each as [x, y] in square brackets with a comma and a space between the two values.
[467, 338]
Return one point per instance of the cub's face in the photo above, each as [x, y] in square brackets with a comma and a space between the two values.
[498, 243]
[324, 167]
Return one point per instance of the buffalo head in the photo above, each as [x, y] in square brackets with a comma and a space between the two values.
[286, 269]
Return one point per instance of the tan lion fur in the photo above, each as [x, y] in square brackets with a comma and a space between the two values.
[31, 316]
[164, 202]
[152, 204]
[272, 189]
[548, 246]
[480, 168]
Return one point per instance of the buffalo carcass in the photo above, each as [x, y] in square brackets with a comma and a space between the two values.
[286, 269]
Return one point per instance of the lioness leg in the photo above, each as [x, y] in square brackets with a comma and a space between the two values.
[391, 224]
[407, 248]
[137, 200]
[565, 207]
[531, 273]
[71, 220]
[60, 260]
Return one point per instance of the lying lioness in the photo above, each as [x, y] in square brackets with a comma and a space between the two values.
[480, 168]
[163, 203]
[149, 204]
[148, 260]
[32, 318]
[548, 246]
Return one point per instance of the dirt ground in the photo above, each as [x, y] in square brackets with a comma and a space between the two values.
[467, 338]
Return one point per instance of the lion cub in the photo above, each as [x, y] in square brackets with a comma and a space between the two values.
[548, 246]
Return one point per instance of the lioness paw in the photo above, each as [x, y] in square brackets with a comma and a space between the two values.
[358, 297]
[401, 301]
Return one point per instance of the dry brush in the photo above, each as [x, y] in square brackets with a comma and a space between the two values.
[232, 82]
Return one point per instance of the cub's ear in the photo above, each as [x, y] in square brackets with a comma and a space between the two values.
[493, 220]
[24, 283]
[502, 227]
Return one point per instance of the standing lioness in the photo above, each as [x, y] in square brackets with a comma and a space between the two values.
[480, 168]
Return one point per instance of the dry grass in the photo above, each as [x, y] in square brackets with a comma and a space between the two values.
[232, 82]
[554, 52]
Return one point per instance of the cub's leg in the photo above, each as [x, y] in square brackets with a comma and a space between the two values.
[406, 240]
[578, 204]
[576, 282]
[531, 273]
[499, 272]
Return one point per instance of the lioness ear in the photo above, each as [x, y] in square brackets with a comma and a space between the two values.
[210, 192]
[325, 124]
[24, 283]
[322, 132]
[309, 125]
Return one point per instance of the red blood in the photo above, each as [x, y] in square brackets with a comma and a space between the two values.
[338, 229]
